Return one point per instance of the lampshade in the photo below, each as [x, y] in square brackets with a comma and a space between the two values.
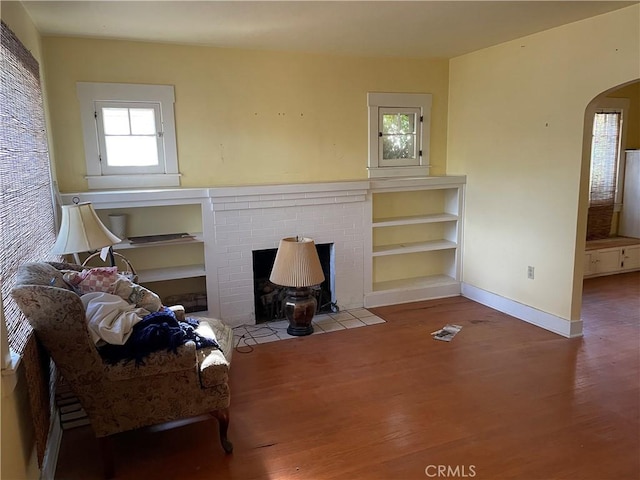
[82, 231]
[297, 263]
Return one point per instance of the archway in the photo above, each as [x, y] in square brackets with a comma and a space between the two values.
[624, 97]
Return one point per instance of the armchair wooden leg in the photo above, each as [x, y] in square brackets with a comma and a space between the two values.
[106, 451]
[223, 421]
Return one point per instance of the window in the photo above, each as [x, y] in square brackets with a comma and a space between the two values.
[606, 176]
[398, 136]
[129, 135]
[399, 125]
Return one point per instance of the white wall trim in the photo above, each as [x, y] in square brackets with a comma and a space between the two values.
[54, 440]
[159, 180]
[524, 312]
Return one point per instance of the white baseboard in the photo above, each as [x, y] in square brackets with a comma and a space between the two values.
[50, 460]
[524, 312]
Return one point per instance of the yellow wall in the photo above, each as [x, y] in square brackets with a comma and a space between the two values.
[17, 447]
[516, 116]
[632, 92]
[244, 117]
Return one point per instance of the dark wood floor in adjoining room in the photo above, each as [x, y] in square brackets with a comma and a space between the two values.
[503, 400]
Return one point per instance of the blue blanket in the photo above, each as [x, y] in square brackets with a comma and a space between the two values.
[160, 330]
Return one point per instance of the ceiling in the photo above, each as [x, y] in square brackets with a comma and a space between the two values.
[431, 29]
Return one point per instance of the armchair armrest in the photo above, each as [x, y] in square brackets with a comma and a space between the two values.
[178, 310]
[156, 363]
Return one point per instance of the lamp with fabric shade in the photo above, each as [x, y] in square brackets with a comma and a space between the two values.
[82, 231]
[297, 267]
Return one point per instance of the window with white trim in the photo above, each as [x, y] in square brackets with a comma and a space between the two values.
[399, 125]
[129, 135]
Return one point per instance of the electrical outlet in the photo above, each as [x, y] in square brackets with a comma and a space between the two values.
[530, 272]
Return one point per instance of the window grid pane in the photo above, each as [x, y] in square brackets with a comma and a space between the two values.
[398, 123]
[398, 146]
[143, 121]
[116, 121]
[131, 151]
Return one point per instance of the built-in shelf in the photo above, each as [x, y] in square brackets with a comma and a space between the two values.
[125, 244]
[154, 198]
[434, 206]
[414, 220]
[413, 247]
[171, 273]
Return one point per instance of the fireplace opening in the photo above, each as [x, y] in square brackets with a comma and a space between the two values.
[268, 296]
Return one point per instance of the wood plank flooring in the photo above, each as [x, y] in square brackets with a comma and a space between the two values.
[503, 400]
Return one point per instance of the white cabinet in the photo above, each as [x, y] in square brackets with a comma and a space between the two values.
[630, 258]
[606, 261]
[415, 239]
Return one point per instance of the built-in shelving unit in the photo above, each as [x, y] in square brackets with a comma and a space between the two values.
[416, 231]
[180, 210]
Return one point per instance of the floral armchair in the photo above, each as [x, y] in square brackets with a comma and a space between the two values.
[118, 397]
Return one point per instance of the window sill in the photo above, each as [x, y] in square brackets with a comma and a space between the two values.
[100, 182]
[412, 171]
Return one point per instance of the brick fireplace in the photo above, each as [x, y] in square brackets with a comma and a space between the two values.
[246, 219]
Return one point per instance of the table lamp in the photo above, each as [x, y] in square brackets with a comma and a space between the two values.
[297, 267]
[82, 231]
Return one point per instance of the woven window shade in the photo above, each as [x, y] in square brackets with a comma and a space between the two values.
[605, 147]
[604, 158]
[26, 211]
[27, 230]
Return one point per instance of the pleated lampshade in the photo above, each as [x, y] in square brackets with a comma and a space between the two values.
[297, 263]
[82, 231]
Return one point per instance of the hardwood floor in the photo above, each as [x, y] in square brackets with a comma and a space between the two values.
[503, 400]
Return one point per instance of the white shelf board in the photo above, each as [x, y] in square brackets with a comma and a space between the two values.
[414, 283]
[171, 273]
[125, 244]
[411, 290]
[412, 247]
[414, 219]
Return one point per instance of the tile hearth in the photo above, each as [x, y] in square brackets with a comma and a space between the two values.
[247, 335]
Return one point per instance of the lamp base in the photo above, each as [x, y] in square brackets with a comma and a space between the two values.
[299, 308]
